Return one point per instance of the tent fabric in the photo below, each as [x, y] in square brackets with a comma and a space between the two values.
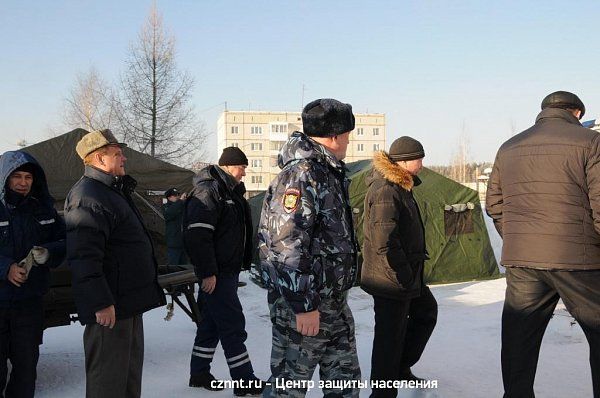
[63, 168]
[458, 243]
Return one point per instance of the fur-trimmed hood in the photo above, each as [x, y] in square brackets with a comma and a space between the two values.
[392, 172]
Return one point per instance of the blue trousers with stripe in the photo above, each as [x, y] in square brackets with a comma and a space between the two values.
[222, 320]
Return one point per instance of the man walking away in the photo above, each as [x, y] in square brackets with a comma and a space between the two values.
[544, 197]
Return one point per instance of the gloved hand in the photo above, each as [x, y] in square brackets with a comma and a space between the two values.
[27, 263]
[40, 254]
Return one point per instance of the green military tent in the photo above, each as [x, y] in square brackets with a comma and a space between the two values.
[457, 239]
[63, 167]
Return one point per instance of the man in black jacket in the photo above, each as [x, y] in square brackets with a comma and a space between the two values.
[114, 270]
[218, 238]
[544, 197]
[32, 240]
[394, 254]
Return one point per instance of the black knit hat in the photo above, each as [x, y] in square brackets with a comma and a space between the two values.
[327, 117]
[233, 156]
[406, 148]
[172, 192]
[563, 100]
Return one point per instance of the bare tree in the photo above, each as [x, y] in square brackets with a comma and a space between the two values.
[90, 103]
[155, 111]
[460, 159]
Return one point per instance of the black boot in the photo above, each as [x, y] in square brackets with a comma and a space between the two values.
[204, 380]
[407, 375]
[252, 387]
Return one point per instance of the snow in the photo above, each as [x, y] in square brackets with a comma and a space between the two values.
[463, 354]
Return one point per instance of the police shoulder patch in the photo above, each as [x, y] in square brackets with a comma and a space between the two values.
[291, 199]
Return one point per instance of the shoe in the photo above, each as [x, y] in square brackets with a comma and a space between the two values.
[203, 380]
[253, 386]
[407, 375]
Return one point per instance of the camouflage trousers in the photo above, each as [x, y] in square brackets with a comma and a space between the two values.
[294, 357]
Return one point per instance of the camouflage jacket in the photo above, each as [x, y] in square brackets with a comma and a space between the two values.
[306, 238]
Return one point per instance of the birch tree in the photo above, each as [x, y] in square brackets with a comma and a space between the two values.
[90, 103]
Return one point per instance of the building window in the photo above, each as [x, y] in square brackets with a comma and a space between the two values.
[256, 130]
[234, 129]
[256, 146]
[235, 144]
[375, 147]
[375, 130]
[277, 145]
[256, 163]
[360, 131]
[279, 128]
[360, 147]
[256, 179]
[274, 162]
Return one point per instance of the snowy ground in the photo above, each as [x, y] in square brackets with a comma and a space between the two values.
[463, 353]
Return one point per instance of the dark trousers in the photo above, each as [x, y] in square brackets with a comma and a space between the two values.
[114, 359]
[176, 256]
[402, 329]
[21, 329]
[222, 320]
[531, 296]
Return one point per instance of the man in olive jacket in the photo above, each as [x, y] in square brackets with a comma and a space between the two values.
[111, 257]
[394, 253]
[544, 197]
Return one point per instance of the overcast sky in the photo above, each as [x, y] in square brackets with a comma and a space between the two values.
[435, 68]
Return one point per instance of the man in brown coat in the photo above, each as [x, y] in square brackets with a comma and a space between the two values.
[544, 197]
[394, 254]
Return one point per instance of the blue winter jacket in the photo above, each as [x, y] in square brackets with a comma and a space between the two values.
[26, 222]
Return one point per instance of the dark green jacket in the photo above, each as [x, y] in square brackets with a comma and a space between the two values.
[173, 212]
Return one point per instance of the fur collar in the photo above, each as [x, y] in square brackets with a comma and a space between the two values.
[392, 172]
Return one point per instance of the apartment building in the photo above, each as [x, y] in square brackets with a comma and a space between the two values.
[261, 136]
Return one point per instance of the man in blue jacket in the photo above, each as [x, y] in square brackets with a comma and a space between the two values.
[218, 238]
[32, 240]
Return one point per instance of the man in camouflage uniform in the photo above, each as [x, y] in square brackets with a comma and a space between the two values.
[308, 254]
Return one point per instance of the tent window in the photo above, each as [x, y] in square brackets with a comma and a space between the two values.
[458, 223]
